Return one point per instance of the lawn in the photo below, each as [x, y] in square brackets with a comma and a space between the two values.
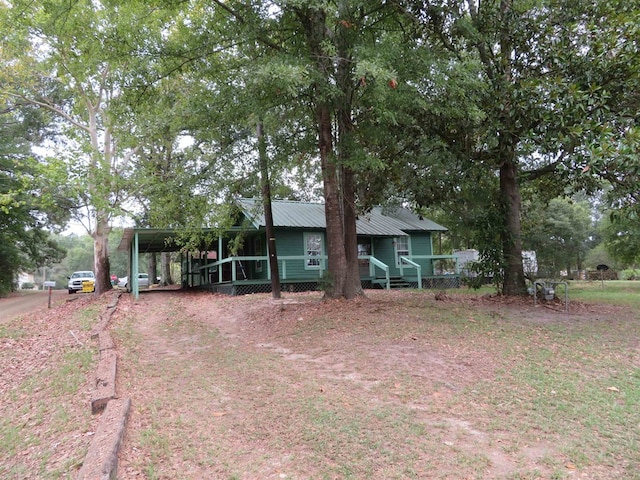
[397, 385]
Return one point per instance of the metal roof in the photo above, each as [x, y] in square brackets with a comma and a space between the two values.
[291, 214]
[152, 240]
[377, 222]
[286, 213]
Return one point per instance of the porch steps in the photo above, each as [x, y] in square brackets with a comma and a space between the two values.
[394, 282]
[398, 282]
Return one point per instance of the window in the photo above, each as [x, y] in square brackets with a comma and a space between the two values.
[402, 248]
[257, 251]
[313, 249]
[364, 246]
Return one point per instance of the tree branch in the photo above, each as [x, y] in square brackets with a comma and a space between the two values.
[52, 108]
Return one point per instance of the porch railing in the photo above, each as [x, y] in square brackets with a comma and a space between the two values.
[375, 263]
[411, 264]
[237, 264]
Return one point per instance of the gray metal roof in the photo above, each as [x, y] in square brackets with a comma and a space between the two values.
[286, 213]
[377, 222]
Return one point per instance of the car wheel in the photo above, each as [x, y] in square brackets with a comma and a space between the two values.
[71, 291]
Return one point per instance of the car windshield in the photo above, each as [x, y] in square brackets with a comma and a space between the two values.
[82, 274]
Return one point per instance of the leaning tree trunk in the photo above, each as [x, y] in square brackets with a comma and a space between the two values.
[268, 212]
[101, 254]
[514, 279]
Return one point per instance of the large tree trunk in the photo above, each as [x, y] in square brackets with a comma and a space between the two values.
[353, 284]
[152, 268]
[345, 148]
[314, 22]
[332, 207]
[514, 280]
[101, 254]
[165, 267]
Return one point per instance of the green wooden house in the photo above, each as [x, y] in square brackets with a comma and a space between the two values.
[395, 248]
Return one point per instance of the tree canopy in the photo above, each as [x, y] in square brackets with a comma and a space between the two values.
[476, 108]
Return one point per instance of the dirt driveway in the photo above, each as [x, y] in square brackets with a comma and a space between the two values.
[397, 385]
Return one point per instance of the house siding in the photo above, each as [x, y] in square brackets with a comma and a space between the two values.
[291, 243]
[384, 251]
[421, 245]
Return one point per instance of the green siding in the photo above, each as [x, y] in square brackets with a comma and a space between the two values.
[384, 251]
[290, 242]
[421, 245]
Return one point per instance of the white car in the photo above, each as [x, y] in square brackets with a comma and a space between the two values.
[143, 281]
[77, 278]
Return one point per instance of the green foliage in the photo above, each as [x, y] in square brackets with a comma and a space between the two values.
[559, 234]
[629, 274]
[599, 256]
[621, 233]
[427, 104]
[26, 206]
[79, 256]
[546, 86]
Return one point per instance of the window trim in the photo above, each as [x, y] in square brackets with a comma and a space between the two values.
[397, 251]
[257, 251]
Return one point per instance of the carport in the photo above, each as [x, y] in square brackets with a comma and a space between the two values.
[138, 241]
[144, 240]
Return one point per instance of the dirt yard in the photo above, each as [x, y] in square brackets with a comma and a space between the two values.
[395, 385]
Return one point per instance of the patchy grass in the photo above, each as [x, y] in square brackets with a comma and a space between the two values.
[45, 416]
[395, 386]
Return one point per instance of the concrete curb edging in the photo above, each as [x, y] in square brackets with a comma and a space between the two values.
[101, 461]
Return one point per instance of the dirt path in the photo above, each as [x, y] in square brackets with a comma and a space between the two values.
[26, 302]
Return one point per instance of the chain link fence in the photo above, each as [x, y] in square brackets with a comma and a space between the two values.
[241, 288]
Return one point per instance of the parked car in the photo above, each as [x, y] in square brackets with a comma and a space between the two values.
[77, 278]
[143, 281]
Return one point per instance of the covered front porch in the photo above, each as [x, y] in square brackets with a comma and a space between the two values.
[236, 275]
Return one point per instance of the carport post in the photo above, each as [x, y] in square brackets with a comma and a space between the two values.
[219, 258]
[133, 281]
